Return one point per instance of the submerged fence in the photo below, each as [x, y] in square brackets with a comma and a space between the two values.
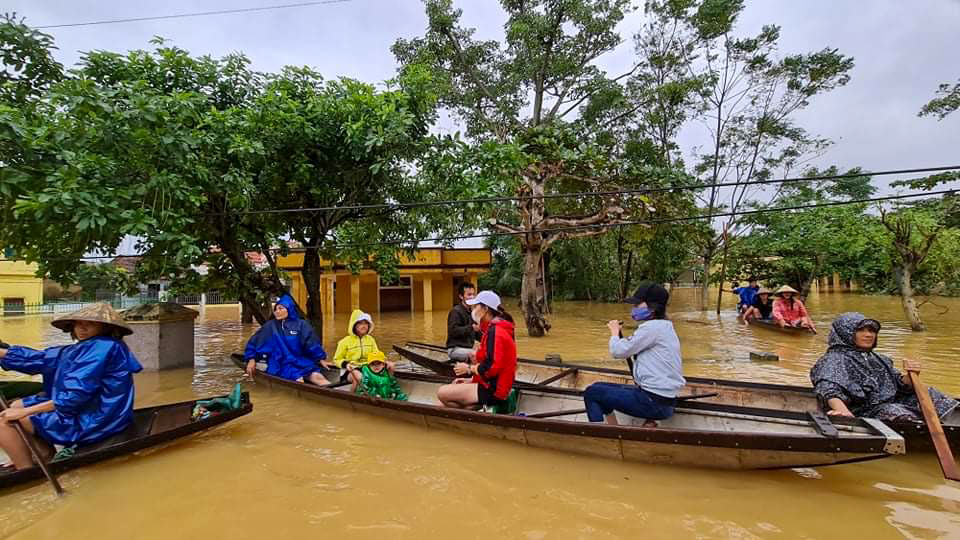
[118, 301]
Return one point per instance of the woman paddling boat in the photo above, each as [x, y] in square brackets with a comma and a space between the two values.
[788, 310]
[654, 353]
[850, 379]
[88, 386]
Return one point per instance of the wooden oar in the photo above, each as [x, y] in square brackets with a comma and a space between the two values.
[33, 450]
[944, 454]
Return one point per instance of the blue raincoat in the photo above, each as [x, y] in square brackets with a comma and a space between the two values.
[290, 346]
[90, 383]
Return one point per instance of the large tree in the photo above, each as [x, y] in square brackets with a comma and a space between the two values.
[183, 152]
[750, 94]
[516, 98]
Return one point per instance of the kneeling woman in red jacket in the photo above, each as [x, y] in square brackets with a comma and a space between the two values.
[495, 362]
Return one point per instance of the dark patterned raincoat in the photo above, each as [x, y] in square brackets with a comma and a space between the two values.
[866, 381]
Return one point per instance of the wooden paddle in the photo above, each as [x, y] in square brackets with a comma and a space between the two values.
[944, 454]
[33, 450]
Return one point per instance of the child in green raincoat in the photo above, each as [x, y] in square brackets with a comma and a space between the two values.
[378, 381]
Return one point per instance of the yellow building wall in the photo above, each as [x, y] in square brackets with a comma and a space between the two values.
[440, 265]
[19, 280]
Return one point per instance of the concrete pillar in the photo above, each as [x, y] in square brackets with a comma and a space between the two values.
[427, 294]
[354, 292]
[326, 296]
[162, 335]
[203, 299]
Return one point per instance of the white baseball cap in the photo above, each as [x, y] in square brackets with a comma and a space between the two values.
[487, 298]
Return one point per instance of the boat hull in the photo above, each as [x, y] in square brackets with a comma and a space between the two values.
[796, 445]
[152, 426]
[739, 393]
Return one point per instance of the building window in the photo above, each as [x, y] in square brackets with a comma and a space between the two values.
[13, 306]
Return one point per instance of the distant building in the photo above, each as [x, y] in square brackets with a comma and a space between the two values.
[19, 284]
[427, 281]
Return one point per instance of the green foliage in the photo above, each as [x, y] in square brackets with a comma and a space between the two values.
[180, 151]
[27, 67]
[947, 102]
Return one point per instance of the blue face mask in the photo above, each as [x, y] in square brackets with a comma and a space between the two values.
[640, 313]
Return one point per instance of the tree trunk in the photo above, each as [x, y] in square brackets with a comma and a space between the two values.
[723, 270]
[545, 277]
[807, 283]
[311, 280]
[532, 299]
[251, 309]
[705, 286]
[904, 275]
[625, 289]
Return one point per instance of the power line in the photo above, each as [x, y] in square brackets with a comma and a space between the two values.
[482, 200]
[665, 220]
[584, 227]
[196, 14]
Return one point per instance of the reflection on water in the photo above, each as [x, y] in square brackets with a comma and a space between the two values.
[294, 468]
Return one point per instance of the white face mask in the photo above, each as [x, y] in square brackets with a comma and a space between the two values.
[476, 315]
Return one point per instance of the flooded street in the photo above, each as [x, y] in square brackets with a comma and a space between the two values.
[295, 469]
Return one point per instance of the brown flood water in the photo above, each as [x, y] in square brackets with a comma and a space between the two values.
[294, 469]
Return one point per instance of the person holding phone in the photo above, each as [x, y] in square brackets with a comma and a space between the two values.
[654, 354]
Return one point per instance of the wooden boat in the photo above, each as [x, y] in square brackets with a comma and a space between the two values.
[800, 399]
[151, 426]
[699, 434]
[771, 325]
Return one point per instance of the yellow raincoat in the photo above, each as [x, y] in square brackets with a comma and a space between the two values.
[356, 350]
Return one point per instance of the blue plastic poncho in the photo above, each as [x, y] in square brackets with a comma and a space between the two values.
[90, 383]
[290, 346]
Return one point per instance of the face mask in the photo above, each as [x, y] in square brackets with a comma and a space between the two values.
[476, 316]
[640, 313]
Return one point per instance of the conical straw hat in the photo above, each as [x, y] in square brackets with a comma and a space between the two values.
[101, 313]
[764, 290]
[786, 288]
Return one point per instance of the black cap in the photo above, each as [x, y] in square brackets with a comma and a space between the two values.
[649, 292]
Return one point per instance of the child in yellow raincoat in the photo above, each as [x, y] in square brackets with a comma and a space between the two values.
[357, 348]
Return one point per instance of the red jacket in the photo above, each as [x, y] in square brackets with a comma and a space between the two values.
[497, 357]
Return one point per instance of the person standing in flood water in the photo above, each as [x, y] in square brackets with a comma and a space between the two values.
[88, 387]
[653, 352]
[850, 379]
[462, 331]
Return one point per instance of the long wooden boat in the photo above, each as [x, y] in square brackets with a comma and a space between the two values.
[151, 426]
[770, 325]
[800, 399]
[698, 434]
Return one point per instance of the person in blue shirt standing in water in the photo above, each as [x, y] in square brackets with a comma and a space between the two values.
[747, 294]
[87, 386]
[289, 345]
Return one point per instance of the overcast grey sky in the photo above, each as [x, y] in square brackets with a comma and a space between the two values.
[902, 50]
